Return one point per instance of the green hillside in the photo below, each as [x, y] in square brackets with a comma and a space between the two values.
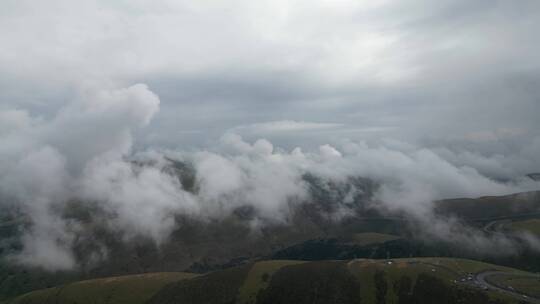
[524, 284]
[402, 281]
[531, 226]
[132, 289]
[491, 206]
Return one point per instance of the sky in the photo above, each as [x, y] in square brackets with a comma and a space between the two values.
[433, 99]
[297, 72]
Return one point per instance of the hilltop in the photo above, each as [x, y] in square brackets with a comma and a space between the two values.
[413, 280]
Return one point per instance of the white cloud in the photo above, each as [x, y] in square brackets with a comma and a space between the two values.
[341, 72]
[144, 199]
[13, 120]
[42, 162]
[285, 126]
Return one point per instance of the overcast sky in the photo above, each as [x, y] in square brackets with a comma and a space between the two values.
[300, 73]
[431, 99]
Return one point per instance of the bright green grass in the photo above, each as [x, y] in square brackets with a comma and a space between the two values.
[258, 279]
[132, 289]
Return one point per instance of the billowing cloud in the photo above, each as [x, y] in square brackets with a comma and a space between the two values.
[141, 197]
[43, 161]
[417, 67]
[431, 100]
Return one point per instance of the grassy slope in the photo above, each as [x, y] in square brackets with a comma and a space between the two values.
[215, 287]
[130, 289]
[414, 280]
[258, 278]
[367, 281]
[491, 206]
[445, 269]
[527, 285]
[312, 283]
[531, 226]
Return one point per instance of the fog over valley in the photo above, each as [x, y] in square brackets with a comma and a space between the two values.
[203, 137]
[85, 153]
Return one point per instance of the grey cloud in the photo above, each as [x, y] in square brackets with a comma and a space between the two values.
[433, 99]
[42, 161]
[415, 65]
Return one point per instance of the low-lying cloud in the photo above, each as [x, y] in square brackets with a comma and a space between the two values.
[44, 162]
[84, 152]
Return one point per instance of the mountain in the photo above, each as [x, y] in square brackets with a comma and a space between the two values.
[338, 221]
[490, 207]
[414, 280]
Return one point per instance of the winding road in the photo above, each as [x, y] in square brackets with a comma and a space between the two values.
[480, 279]
[495, 224]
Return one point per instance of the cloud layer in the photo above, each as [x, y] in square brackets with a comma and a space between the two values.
[84, 153]
[409, 70]
[43, 161]
[432, 100]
